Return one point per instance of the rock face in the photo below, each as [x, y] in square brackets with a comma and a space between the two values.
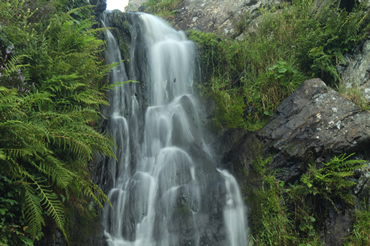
[312, 125]
[212, 16]
[100, 5]
[357, 71]
[207, 15]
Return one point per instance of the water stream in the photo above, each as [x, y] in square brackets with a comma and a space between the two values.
[165, 187]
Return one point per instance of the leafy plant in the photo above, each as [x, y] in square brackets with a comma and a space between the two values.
[50, 98]
[11, 230]
[329, 183]
[294, 214]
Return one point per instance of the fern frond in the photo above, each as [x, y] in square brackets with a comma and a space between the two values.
[34, 99]
[93, 191]
[17, 153]
[50, 201]
[2, 155]
[7, 95]
[33, 211]
[55, 170]
[14, 64]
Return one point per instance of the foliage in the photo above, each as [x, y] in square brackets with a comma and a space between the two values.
[11, 230]
[293, 42]
[354, 94]
[361, 229]
[50, 96]
[162, 8]
[294, 214]
[330, 182]
[223, 64]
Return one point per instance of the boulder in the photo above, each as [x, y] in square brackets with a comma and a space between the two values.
[312, 125]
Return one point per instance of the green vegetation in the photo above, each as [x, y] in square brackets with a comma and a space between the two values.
[162, 8]
[294, 214]
[50, 96]
[250, 76]
[361, 229]
[355, 94]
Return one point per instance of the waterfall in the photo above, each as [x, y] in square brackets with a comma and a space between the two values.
[165, 187]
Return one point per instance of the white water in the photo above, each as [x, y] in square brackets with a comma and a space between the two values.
[166, 188]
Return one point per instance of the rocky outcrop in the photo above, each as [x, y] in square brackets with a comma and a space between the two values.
[100, 5]
[356, 71]
[212, 16]
[312, 125]
[208, 15]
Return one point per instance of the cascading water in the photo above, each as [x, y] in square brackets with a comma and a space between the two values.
[166, 190]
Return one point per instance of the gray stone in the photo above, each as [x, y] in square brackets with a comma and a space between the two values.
[357, 71]
[338, 226]
[362, 188]
[314, 123]
[208, 15]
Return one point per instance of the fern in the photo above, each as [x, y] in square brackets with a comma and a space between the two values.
[54, 169]
[331, 181]
[33, 211]
[50, 202]
[2, 155]
[91, 190]
[47, 133]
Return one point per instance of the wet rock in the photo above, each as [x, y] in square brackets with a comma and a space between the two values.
[338, 226]
[237, 150]
[100, 5]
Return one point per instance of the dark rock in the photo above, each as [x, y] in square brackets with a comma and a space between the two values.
[100, 6]
[362, 188]
[237, 150]
[338, 226]
[312, 125]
